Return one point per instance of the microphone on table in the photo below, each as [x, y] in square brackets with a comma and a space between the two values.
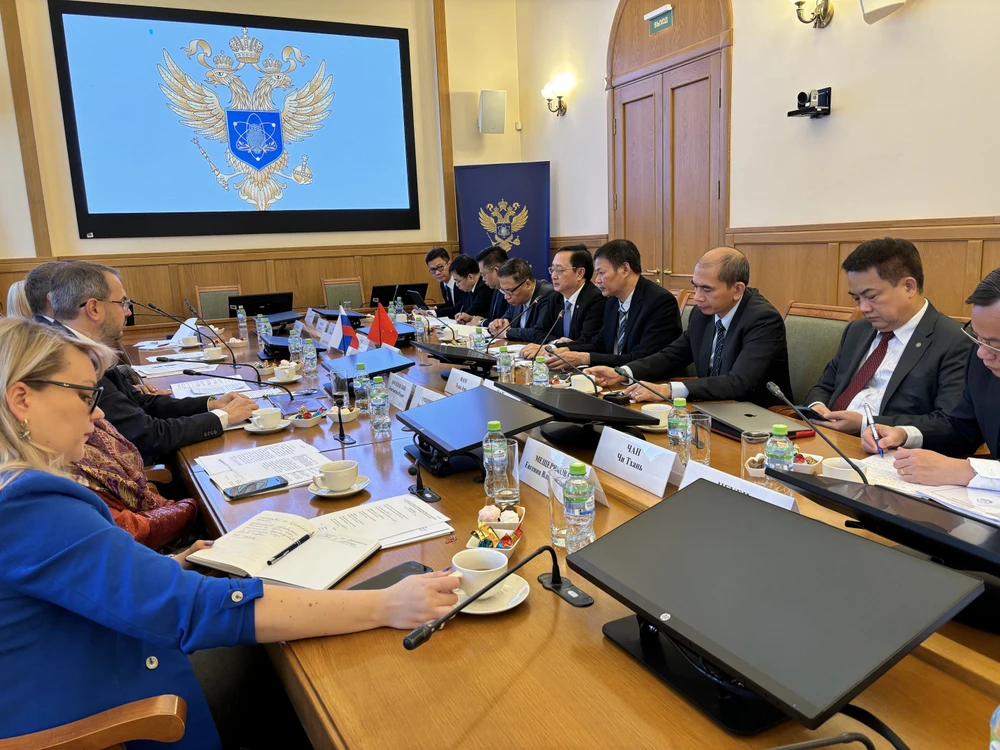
[553, 581]
[774, 389]
[291, 396]
[550, 350]
[165, 314]
[510, 322]
[201, 320]
[256, 372]
[630, 379]
[450, 327]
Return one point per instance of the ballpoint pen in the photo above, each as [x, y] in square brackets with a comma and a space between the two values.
[288, 549]
[871, 426]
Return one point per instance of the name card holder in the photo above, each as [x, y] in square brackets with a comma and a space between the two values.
[423, 396]
[400, 390]
[636, 461]
[721, 478]
[311, 318]
[460, 381]
[539, 459]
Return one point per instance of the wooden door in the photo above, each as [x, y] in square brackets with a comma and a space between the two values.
[693, 153]
[637, 207]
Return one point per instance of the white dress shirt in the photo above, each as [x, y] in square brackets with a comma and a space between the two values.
[987, 471]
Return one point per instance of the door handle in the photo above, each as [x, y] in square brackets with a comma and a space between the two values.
[652, 270]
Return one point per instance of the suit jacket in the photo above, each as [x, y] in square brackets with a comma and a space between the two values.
[753, 353]
[654, 320]
[460, 298]
[542, 290]
[498, 307]
[587, 321]
[478, 301]
[928, 380]
[975, 420]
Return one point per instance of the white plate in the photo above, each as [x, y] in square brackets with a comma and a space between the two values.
[354, 488]
[215, 359]
[268, 430]
[653, 428]
[275, 380]
[512, 592]
[190, 346]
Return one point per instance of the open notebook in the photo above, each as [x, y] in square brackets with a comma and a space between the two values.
[318, 563]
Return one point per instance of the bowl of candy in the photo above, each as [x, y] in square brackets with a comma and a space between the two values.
[235, 343]
[347, 414]
[558, 381]
[498, 529]
[807, 463]
[305, 418]
[264, 368]
[755, 466]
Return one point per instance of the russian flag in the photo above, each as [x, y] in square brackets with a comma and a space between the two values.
[344, 337]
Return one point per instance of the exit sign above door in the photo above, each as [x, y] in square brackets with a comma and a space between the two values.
[660, 19]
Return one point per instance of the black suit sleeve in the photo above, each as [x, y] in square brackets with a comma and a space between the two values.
[548, 309]
[665, 363]
[477, 304]
[956, 433]
[592, 324]
[823, 390]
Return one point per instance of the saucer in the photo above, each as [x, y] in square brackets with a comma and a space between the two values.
[190, 346]
[356, 487]
[653, 428]
[215, 359]
[275, 380]
[512, 592]
[267, 430]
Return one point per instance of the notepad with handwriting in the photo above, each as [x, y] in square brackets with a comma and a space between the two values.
[318, 563]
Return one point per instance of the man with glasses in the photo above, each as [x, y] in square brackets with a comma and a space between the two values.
[524, 296]
[438, 262]
[924, 453]
[465, 271]
[89, 301]
[489, 261]
[904, 359]
[580, 302]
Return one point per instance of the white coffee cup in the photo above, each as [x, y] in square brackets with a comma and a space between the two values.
[189, 341]
[480, 567]
[838, 468]
[265, 419]
[446, 334]
[337, 476]
[660, 411]
[284, 373]
[212, 352]
[581, 383]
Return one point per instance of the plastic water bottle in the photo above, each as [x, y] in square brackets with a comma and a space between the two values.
[679, 429]
[362, 385]
[241, 322]
[539, 372]
[263, 329]
[779, 454]
[419, 328]
[578, 501]
[310, 363]
[379, 406]
[295, 348]
[478, 340]
[400, 311]
[495, 463]
[505, 365]
[995, 730]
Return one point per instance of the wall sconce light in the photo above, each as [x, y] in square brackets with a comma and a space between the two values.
[821, 16]
[556, 91]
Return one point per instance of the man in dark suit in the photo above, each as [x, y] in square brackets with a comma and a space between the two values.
[524, 295]
[465, 271]
[642, 318]
[580, 302]
[904, 359]
[923, 455]
[489, 261]
[89, 301]
[438, 262]
[735, 338]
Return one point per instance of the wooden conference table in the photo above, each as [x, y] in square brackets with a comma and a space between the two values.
[543, 675]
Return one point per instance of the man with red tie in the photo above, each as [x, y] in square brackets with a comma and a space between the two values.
[904, 359]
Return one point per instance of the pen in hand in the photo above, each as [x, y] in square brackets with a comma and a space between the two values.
[288, 549]
[871, 426]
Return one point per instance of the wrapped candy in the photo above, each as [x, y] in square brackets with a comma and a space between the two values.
[490, 514]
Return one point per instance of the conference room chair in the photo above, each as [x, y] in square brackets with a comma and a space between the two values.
[338, 291]
[686, 306]
[813, 333]
[213, 301]
[159, 719]
[681, 296]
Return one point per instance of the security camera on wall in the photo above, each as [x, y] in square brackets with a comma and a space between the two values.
[875, 10]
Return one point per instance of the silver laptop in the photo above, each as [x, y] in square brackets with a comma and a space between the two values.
[741, 416]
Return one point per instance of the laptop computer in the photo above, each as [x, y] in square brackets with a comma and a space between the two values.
[386, 293]
[741, 416]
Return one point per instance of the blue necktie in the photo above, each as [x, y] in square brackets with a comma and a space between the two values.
[620, 338]
[567, 316]
[720, 337]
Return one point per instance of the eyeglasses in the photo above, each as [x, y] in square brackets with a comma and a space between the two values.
[437, 269]
[559, 269]
[91, 400]
[508, 292]
[126, 303]
[967, 330]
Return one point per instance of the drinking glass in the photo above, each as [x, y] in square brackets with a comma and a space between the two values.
[347, 305]
[700, 447]
[339, 386]
[753, 442]
[557, 512]
[506, 482]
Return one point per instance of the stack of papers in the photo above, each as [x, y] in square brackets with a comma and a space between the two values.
[206, 386]
[394, 521]
[170, 368]
[293, 460]
[149, 346]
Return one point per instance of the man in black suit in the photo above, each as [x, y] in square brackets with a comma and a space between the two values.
[580, 302]
[642, 318]
[465, 271]
[524, 295]
[89, 301]
[923, 455]
[438, 262]
[489, 261]
[735, 338]
[904, 359]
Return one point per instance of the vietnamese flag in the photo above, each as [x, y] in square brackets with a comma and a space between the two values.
[382, 330]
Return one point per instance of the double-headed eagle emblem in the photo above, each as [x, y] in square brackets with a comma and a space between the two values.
[254, 130]
[502, 223]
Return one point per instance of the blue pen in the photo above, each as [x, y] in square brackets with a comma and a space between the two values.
[871, 426]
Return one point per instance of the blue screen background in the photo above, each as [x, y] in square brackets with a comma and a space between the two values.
[138, 158]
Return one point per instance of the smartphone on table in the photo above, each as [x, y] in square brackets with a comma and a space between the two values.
[259, 487]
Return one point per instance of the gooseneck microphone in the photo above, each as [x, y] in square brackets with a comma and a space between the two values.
[450, 327]
[630, 379]
[291, 396]
[201, 320]
[256, 372]
[165, 314]
[574, 368]
[774, 389]
[510, 322]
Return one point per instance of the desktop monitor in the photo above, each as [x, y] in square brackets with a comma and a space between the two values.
[260, 304]
[801, 615]
[386, 293]
[477, 361]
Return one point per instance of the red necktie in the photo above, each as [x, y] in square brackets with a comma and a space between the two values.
[864, 374]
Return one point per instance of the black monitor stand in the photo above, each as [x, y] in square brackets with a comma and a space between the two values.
[583, 435]
[736, 708]
[442, 465]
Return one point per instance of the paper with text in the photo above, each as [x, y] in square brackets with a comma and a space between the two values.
[206, 387]
[383, 519]
[635, 460]
[539, 459]
[700, 471]
[400, 391]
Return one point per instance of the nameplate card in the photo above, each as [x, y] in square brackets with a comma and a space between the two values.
[321, 325]
[390, 348]
[298, 327]
[423, 396]
[638, 462]
[721, 478]
[363, 343]
[400, 390]
[538, 460]
[311, 318]
[460, 381]
[493, 387]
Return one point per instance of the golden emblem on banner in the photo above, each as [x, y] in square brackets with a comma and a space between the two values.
[502, 222]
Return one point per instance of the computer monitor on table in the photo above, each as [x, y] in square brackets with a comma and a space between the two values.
[386, 293]
[260, 304]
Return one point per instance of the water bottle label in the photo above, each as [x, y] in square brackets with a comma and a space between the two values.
[579, 509]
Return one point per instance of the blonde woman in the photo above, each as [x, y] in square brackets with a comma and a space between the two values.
[17, 301]
[90, 619]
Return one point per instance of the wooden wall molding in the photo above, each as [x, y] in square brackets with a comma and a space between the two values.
[444, 114]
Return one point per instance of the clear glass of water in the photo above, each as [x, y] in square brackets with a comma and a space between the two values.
[700, 446]
[339, 386]
[347, 305]
[507, 482]
[557, 512]
[753, 443]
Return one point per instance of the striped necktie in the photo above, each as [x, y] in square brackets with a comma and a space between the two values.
[567, 317]
[720, 338]
[620, 337]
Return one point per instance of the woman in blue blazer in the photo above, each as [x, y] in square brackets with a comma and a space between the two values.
[90, 619]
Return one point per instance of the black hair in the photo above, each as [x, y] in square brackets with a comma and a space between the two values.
[733, 267]
[38, 284]
[620, 252]
[987, 292]
[516, 268]
[892, 258]
[580, 257]
[463, 265]
[436, 252]
[492, 257]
